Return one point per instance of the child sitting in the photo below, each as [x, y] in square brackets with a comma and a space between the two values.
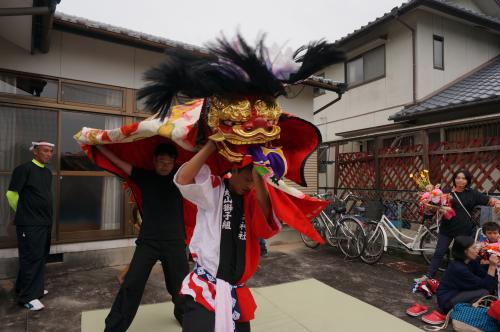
[491, 232]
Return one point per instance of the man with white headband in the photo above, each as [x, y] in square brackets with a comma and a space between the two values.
[30, 196]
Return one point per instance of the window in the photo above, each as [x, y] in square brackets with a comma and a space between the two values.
[22, 85]
[94, 95]
[72, 156]
[318, 91]
[140, 106]
[438, 47]
[91, 199]
[368, 67]
[90, 203]
[18, 128]
[322, 159]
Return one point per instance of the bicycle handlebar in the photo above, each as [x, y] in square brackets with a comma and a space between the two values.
[325, 195]
[351, 196]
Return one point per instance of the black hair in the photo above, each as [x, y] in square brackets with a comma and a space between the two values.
[467, 175]
[460, 244]
[167, 149]
[230, 69]
[490, 226]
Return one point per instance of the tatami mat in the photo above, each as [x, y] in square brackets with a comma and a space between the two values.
[300, 306]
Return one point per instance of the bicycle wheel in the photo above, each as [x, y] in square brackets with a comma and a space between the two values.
[374, 247]
[428, 243]
[310, 243]
[350, 236]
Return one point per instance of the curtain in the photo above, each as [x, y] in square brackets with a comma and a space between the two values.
[111, 203]
[111, 214]
[8, 84]
[7, 153]
[92, 95]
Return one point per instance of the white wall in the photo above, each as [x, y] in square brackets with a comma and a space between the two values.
[370, 104]
[82, 58]
[299, 102]
[465, 48]
[16, 29]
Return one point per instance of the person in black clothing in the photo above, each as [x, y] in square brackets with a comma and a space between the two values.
[465, 280]
[464, 200]
[30, 195]
[161, 237]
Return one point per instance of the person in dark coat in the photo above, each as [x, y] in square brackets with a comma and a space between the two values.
[465, 280]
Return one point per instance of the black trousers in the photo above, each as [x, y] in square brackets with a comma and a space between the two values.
[172, 255]
[199, 319]
[33, 243]
[442, 245]
[465, 297]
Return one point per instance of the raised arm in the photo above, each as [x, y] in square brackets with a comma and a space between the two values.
[187, 173]
[123, 165]
[262, 194]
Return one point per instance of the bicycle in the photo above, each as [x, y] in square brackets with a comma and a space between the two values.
[424, 241]
[346, 231]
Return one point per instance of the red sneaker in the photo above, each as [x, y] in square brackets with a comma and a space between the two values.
[416, 310]
[434, 318]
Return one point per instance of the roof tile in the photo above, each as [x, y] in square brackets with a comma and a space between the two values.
[480, 85]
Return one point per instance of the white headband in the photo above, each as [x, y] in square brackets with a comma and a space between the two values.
[35, 144]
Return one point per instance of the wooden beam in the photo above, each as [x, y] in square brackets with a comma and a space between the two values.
[467, 150]
[425, 145]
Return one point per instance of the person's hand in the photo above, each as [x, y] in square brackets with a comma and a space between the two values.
[494, 259]
[497, 206]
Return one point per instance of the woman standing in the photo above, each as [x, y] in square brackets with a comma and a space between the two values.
[464, 200]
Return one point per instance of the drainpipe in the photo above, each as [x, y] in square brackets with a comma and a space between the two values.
[413, 51]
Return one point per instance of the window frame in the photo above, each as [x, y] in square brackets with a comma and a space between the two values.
[350, 86]
[93, 85]
[34, 103]
[441, 39]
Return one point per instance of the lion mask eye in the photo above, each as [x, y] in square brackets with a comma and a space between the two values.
[228, 123]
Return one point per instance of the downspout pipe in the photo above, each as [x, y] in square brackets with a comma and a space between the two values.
[413, 53]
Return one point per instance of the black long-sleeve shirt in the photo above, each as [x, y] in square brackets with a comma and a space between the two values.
[461, 223]
[460, 277]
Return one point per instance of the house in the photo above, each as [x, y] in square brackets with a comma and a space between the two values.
[423, 92]
[59, 73]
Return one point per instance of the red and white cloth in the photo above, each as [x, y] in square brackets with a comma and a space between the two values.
[207, 194]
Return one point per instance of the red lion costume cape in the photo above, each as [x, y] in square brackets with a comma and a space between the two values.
[233, 90]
